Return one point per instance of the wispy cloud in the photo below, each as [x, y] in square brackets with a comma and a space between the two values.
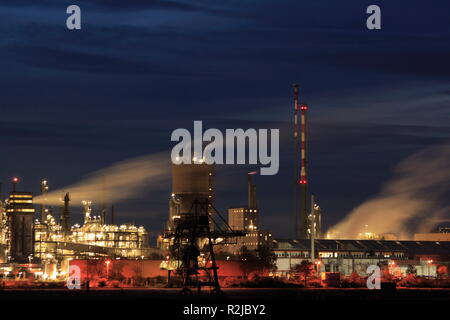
[416, 194]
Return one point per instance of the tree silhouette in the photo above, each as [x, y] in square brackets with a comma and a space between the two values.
[260, 261]
[304, 270]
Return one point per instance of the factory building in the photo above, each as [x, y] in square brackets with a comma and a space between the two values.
[251, 241]
[243, 218]
[90, 240]
[347, 256]
[19, 226]
[94, 238]
[190, 182]
[51, 242]
[246, 219]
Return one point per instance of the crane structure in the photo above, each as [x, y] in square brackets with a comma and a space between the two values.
[192, 246]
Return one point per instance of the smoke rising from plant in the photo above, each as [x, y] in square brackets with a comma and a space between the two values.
[123, 180]
[414, 200]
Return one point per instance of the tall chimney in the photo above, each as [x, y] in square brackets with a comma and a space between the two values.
[251, 190]
[65, 215]
[44, 189]
[14, 182]
[301, 207]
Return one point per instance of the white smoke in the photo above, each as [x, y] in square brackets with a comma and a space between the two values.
[121, 181]
[415, 200]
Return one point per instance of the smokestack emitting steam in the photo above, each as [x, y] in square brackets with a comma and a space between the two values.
[44, 190]
[410, 202]
[126, 180]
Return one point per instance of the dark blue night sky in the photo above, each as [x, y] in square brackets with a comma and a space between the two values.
[73, 102]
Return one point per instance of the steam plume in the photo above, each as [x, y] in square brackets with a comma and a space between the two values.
[120, 181]
[413, 201]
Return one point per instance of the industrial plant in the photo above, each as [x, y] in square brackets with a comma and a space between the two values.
[199, 246]
[49, 243]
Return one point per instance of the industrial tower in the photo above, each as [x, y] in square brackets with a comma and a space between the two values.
[65, 215]
[20, 215]
[192, 246]
[301, 196]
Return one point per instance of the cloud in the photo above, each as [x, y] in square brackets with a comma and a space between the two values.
[129, 5]
[414, 61]
[415, 194]
[76, 60]
[128, 179]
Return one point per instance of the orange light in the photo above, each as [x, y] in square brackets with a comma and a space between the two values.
[15, 179]
[107, 262]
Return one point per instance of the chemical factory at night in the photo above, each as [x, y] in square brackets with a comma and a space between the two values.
[199, 245]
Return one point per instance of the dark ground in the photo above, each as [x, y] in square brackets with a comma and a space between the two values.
[128, 304]
[238, 294]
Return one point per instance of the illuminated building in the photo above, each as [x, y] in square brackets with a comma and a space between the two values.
[246, 219]
[55, 241]
[3, 233]
[92, 239]
[348, 256]
[243, 218]
[19, 224]
[51, 241]
[251, 241]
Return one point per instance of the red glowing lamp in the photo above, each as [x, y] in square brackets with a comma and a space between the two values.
[303, 107]
[15, 179]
